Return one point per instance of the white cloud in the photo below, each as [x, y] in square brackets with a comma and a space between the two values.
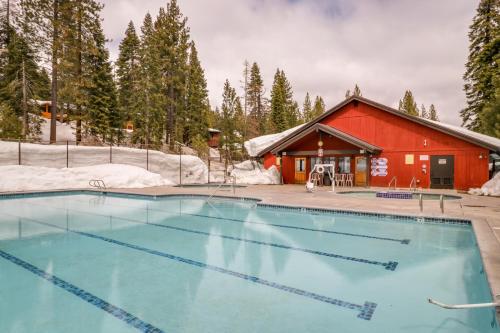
[326, 46]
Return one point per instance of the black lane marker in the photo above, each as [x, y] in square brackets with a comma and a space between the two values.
[390, 266]
[84, 295]
[365, 311]
[398, 240]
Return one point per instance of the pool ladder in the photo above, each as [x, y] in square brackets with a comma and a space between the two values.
[413, 184]
[395, 180]
[97, 183]
[233, 185]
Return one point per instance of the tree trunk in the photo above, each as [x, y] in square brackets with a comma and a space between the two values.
[79, 74]
[55, 36]
[25, 103]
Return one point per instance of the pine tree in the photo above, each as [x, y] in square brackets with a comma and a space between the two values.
[149, 123]
[102, 116]
[10, 125]
[197, 105]
[408, 105]
[319, 107]
[307, 109]
[423, 112]
[284, 110]
[491, 112]
[230, 107]
[482, 66]
[433, 113]
[255, 94]
[128, 74]
[172, 37]
[357, 91]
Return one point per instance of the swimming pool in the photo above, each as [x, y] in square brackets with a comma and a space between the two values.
[415, 195]
[80, 262]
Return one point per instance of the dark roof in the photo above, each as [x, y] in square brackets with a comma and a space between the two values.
[460, 134]
[328, 130]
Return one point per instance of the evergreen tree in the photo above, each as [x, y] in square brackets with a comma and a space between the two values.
[307, 109]
[128, 74]
[482, 66]
[102, 117]
[172, 38]
[433, 113]
[491, 112]
[256, 107]
[319, 107]
[197, 105]
[423, 112]
[149, 123]
[284, 110]
[231, 106]
[357, 91]
[408, 105]
[10, 125]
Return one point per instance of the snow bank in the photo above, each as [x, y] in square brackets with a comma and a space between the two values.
[256, 145]
[491, 187]
[193, 169]
[21, 178]
[253, 173]
[64, 132]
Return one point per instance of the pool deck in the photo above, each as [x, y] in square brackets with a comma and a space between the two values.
[484, 212]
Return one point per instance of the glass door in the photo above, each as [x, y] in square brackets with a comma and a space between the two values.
[360, 172]
[300, 170]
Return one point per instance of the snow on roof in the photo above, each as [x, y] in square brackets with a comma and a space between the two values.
[478, 136]
[213, 130]
[256, 145]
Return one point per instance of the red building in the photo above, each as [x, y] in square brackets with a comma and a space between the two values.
[377, 143]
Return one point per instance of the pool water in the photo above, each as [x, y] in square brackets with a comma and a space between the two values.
[107, 263]
[415, 195]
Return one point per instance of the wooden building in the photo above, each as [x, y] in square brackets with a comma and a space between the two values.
[378, 144]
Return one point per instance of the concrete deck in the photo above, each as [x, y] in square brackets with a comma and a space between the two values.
[484, 212]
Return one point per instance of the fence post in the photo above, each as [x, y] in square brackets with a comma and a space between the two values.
[209, 165]
[147, 157]
[67, 154]
[180, 164]
[110, 153]
[19, 152]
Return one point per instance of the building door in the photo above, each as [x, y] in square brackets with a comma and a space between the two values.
[442, 171]
[360, 171]
[300, 170]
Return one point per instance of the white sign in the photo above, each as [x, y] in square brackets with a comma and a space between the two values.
[320, 152]
[424, 157]
[379, 167]
[442, 161]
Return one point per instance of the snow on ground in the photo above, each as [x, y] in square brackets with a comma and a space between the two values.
[64, 131]
[253, 173]
[193, 170]
[256, 145]
[491, 187]
[22, 178]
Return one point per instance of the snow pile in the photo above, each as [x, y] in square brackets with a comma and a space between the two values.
[256, 145]
[64, 131]
[249, 172]
[22, 178]
[193, 169]
[491, 187]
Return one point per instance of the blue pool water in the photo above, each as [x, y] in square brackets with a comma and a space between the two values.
[104, 263]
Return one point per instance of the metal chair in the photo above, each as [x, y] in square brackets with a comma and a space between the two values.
[349, 180]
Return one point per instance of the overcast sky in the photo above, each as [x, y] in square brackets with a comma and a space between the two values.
[326, 46]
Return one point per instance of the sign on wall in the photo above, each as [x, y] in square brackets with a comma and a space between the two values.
[379, 167]
[409, 159]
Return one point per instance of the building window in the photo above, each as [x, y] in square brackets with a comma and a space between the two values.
[344, 164]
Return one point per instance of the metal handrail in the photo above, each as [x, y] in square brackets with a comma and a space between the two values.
[413, 184]
[463, 306]
[98, 183]
[395, 179]
[233, 185]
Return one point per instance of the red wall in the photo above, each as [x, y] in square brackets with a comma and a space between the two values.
[397, 137]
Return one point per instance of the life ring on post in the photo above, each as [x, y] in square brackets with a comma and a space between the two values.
[320, 169]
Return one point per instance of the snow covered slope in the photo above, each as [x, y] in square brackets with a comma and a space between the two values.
[22, 178]
[64, 132]
[193, 169]
[249, 172]
[256, 145]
